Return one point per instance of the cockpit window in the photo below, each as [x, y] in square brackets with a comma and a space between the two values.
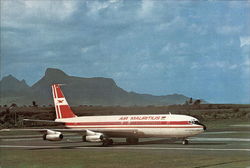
[194, 122]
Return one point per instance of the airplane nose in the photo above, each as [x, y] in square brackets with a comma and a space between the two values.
[198, 123]
[204, 127]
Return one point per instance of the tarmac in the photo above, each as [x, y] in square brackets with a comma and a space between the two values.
[218, 143]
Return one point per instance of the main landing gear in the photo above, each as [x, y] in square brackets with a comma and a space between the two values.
[107, 142]
[185, 142]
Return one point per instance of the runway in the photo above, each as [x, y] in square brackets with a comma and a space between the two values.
[202, 143]
[118, 148]
[213, 149]
[16, 141]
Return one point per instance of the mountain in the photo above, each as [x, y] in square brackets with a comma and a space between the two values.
[10, 83]
[12, 90]
[79, 91]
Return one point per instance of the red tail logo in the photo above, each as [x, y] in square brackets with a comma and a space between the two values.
[62, 108]
[60, 101]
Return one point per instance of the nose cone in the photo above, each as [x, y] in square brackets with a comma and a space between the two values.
[204, 127]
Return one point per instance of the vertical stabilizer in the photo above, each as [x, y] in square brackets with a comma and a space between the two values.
[62, 107]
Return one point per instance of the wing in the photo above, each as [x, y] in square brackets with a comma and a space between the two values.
[109, 133]
[81, 131]
[44, 121]
[43, 130]
[48, 122]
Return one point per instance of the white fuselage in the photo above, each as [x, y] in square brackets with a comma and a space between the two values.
[172, 126]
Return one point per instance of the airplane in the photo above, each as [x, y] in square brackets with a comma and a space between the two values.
[132, 127]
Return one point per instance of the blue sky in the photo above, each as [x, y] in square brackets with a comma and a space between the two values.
[197, 48]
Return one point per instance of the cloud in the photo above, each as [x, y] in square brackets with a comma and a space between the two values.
[146, 8]
[176, 23]
[220, 65]
[86, 49]
[49, 8]
[97, 8]
[194, 28]
[244, 41]
[229, 30]
[239, 4]
[153, 47]
[18, 13]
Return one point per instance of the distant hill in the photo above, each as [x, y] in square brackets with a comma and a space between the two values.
[79, 91]
[14, 91]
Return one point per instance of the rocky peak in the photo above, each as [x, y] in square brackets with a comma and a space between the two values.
[10, 82]
[53, 72]
[9, 78]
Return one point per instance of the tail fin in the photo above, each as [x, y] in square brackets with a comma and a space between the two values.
[63, 110]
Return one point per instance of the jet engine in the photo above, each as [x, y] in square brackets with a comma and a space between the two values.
[93, 136]
[53, 136]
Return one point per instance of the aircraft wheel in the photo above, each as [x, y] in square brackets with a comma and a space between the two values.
[84, 138]
[185, 142]
[107, 142]
[110, 141]
[44, 136]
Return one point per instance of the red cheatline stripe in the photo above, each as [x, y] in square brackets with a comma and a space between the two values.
[132, 123]
[141, 127]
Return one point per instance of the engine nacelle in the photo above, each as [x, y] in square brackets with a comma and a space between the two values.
[93, 136]
[53, 136]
